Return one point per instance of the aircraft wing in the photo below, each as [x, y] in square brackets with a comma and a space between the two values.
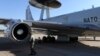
[4, 21]
[52, 25]
[60, 28]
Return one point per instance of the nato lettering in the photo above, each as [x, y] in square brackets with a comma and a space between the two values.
[91, 19]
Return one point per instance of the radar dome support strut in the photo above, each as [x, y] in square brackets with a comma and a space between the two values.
[47, 10]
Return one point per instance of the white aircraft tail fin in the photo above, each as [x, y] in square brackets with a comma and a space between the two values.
[29, 14]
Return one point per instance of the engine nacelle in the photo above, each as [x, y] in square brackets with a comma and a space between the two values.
[19, 32]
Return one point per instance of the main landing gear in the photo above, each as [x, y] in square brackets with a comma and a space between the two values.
[73, 39]
[51, 39]
[48, 39]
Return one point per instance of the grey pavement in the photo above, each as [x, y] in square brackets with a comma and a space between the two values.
[49, 49]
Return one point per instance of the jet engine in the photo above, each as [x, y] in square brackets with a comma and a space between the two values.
[19, 32]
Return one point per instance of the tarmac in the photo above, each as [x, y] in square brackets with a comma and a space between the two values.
[81, 48]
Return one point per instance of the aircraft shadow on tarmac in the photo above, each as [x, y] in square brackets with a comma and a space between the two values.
[16, 48]
[20, 49]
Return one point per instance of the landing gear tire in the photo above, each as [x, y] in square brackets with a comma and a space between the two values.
[48, 39]
[73, 39]
[44, 39]
[53, 39]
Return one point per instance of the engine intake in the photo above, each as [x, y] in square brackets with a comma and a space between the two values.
[21, 31]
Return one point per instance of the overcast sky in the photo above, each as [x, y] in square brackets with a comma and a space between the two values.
[16, 8]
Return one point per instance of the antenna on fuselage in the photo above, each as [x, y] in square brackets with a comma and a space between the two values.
[92, 6]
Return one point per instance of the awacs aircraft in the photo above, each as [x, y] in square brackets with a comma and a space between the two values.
[86, 22]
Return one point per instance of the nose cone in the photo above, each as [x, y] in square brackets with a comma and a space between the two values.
[48, 3]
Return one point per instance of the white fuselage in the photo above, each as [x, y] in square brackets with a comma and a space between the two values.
[86, 19]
